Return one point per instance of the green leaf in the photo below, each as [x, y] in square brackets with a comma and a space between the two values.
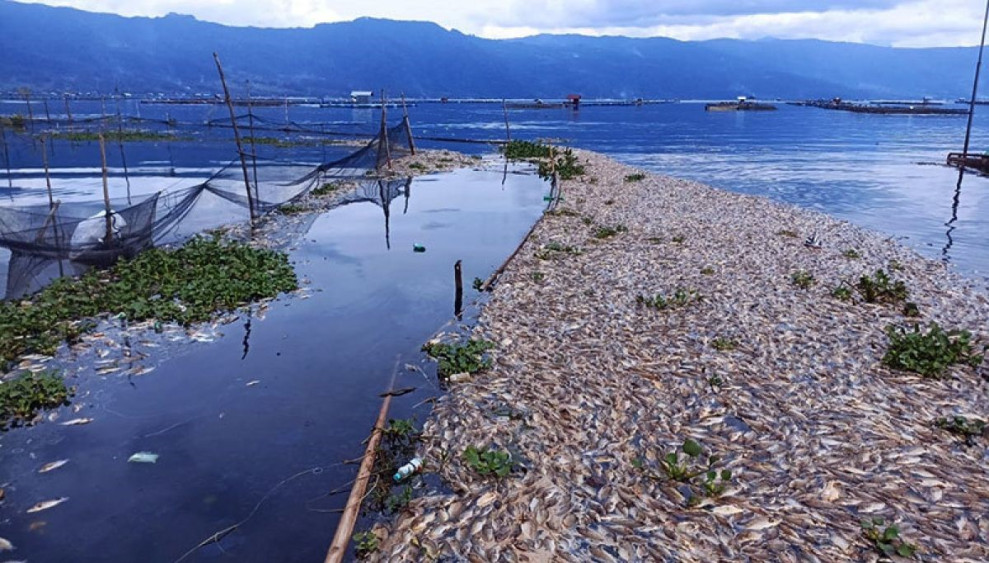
[712, 475]
[906, 550]
[726, 475]
[692, 448]
[891, 533]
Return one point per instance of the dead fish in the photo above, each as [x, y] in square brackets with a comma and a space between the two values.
[77, 421]
[5, 545]
[45, 505]
[253, 382]
[51, 466]
[143, 457]
[761, 524]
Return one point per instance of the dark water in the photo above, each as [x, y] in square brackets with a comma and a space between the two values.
[321, 363]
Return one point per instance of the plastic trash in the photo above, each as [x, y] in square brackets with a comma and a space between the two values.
[408, 469]
[143, 457]
[418, 248]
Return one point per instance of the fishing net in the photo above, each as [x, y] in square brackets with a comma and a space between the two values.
[49, 241]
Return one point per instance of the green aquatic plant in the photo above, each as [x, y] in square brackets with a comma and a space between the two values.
[851, 253]
[477, 284]
[910, 309]
[459, 358]
[724, 344]
[184, 285]
[293, 209]
[525, 150]
[929, 353]
[680, 298]
[691, 465]
[881, 288]
[553, 248]
[326, 189]
[707, 270]
[417, 166]
[365, 543]
[802, 279]
[608, 232]
[789, 233]
[679, 239]
[489, 462]
[126, 136]
[636, 177]
[401, 431]
[842, 292]
[886, 540]
[565, 165]
[23, 396]
[967, 428]
[538, 277]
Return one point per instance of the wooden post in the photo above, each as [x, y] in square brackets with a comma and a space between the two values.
[975, 89]
[383, 141]
[346, 526]
[120, 144]
[106, 194]
[508, 132]
[408, 125]
[254, 150]
[458, 300]
[26, 92]
[48, 179]
[240, 149]
[68, 112]
[6, 160]
[48, 115]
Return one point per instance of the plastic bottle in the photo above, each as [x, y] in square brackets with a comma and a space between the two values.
[408, 469]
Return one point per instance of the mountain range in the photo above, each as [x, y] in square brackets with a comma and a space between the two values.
[55, 50]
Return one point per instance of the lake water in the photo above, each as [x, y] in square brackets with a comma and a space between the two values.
[321, 361]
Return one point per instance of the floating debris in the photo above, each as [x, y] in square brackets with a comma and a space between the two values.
[253, 382]
[5, 545]
[51, 466]
[77, 421]
[45, 505]
[143, 457]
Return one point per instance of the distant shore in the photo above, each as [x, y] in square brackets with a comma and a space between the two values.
[646, 311]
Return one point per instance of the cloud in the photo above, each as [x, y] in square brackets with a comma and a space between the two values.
[903, 23]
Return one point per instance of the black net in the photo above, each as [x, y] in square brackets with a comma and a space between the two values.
[49, 241]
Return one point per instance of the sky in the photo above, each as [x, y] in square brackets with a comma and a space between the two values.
[898, 23]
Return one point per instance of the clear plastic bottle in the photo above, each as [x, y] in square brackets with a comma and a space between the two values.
[408, 469]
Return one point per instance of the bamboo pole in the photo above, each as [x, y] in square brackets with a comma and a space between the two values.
[508, 132]
[106, 194]
[254, 149]
[975, 88]
[240, 149]
[68, 112]
[408, 125]
[338, 548]
[48, 115]
[383, 141]
[120, 144]
[48, 179]
[6, 160]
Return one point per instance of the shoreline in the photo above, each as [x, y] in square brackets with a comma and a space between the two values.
[817, 432]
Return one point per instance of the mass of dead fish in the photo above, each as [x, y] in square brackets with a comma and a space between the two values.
[817, 432]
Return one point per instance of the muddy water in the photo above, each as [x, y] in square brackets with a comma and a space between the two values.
[286, 397]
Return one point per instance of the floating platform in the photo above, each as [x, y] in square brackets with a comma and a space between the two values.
[537, 105]
[739, 106]
[978, 162]
[922, 109]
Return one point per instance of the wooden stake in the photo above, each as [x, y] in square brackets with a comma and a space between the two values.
[120, 144]
[458, 301]
[68, 112]
[48, 116]
[240, 149]
[408, 126]
[254, 150]
[6, 160]
[48, 179]
[106, 194]
[383, 141]
[508, 132]
[350, 512]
